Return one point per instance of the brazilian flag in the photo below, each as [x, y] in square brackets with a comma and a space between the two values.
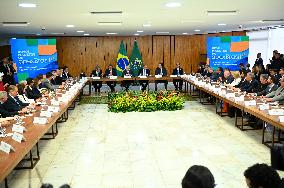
[122, 60]
[136, 62]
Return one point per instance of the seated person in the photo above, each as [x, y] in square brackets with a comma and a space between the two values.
[236, 81]
[126, 83]
[22, 94]
[160, 70]
[11, 102]
[277, 95]
[32, 90]
[274, 72]
[198, 177]
[178, 82]
[3, 111]
[82, 74]
[65, 73]
[268, 85]
[250, 85]
[110, 71]
[262, 176]
[228, 77]
[46, 82]
[97, 72]
[58, 78]
[144, 72]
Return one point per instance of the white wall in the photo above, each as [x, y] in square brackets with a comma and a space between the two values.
[265, 42]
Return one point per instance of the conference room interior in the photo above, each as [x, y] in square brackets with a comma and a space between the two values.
[140, 94]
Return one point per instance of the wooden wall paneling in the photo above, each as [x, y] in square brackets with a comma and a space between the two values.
[5, 51]
[172, 52]
[167, 53]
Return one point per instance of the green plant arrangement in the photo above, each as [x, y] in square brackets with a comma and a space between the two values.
[145, 101]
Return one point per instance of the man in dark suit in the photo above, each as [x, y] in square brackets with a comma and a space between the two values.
[144, 72]
[228, 77]
[178, 82]
[8, 70]
[250, 85]
[66, 74]
[126, 83]
[267, 85]
[160, 70]
[3, 111]
[13, 104]
[110, 71]
[31, 91]
[46, 82]
[97, 72]
[259, 61]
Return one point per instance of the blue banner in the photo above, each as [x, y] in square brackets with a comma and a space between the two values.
[34, 56]
[227, 51]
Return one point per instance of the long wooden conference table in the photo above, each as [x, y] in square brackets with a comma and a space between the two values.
[36, 131]
[270, 113]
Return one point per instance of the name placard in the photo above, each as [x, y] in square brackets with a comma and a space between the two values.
[264, 107]
[18, 128]
[53, 109]
[40, 120]
[240, 98]
[46, 114]
[158, 76]
[6, 147]
[112, 77]
[127, 76]
[250, 103]
[142, 76]
[18, 137]
[55, 103]
[173, 76]
[96, 77]
[276, 112]
[230, 95]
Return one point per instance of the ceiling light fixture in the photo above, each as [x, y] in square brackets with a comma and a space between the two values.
[222, 13]
[27, 5]
[173, 4]
[136, 34]
[70, 25]
[109, 23]
[184, 33]
[80, 31]
[15, 24]
[139, 31]
[222, 24]
[162, 32]
[197, 30]
[14, 38]
[111, 33]
[57, 33]
[86, 34]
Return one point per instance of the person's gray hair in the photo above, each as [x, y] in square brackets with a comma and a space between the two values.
[23, 82]
[251, 75]
[3, 94]
[264, 76]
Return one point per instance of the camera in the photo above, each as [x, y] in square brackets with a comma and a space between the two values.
[43, 29]
[240, 26]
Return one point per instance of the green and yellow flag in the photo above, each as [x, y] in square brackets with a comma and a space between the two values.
[122, 60]
[136, 62]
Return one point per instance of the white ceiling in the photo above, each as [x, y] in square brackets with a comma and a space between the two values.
[54, 15]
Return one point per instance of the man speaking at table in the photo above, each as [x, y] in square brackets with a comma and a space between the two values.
[144, 72]
[162, 71]
[178, 82]
[110, 71]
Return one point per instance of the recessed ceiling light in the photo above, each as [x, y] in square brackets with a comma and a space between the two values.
[136, 34]
[192, 21]
[15, 24]
[162, 32]
[222, 24]
[223, 13]
[14, 38]
[27, 5]
[197, 30]
[173, 4]
[223, 31]
[184, 33]
[80, 31]
[38, 34]
[111, 33]
[147, 25]
[139, 31]
[70, 25]
[86, 34]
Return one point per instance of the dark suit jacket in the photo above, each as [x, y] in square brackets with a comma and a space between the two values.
[147, 72]
[127, 73]
[158, 71]
[7, 78]
[33, 93]
[258, 62]
[65, 75]
[267, 90]
[250, 87]
[229, 79]
[113, 72]
[12, 106]
[58, 80]
[175, 71]
[94, 73]
[5, 113]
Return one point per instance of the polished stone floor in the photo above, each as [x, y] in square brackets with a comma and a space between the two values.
[96, 148]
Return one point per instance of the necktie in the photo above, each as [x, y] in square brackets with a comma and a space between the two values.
[8, 68]
[110, 72]
[177, 71]
[144, 72]
[161, 72]
[16, 101]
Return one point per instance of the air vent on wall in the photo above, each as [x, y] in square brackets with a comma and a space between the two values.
[15, 24]
[106, 12]
[222, 12]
